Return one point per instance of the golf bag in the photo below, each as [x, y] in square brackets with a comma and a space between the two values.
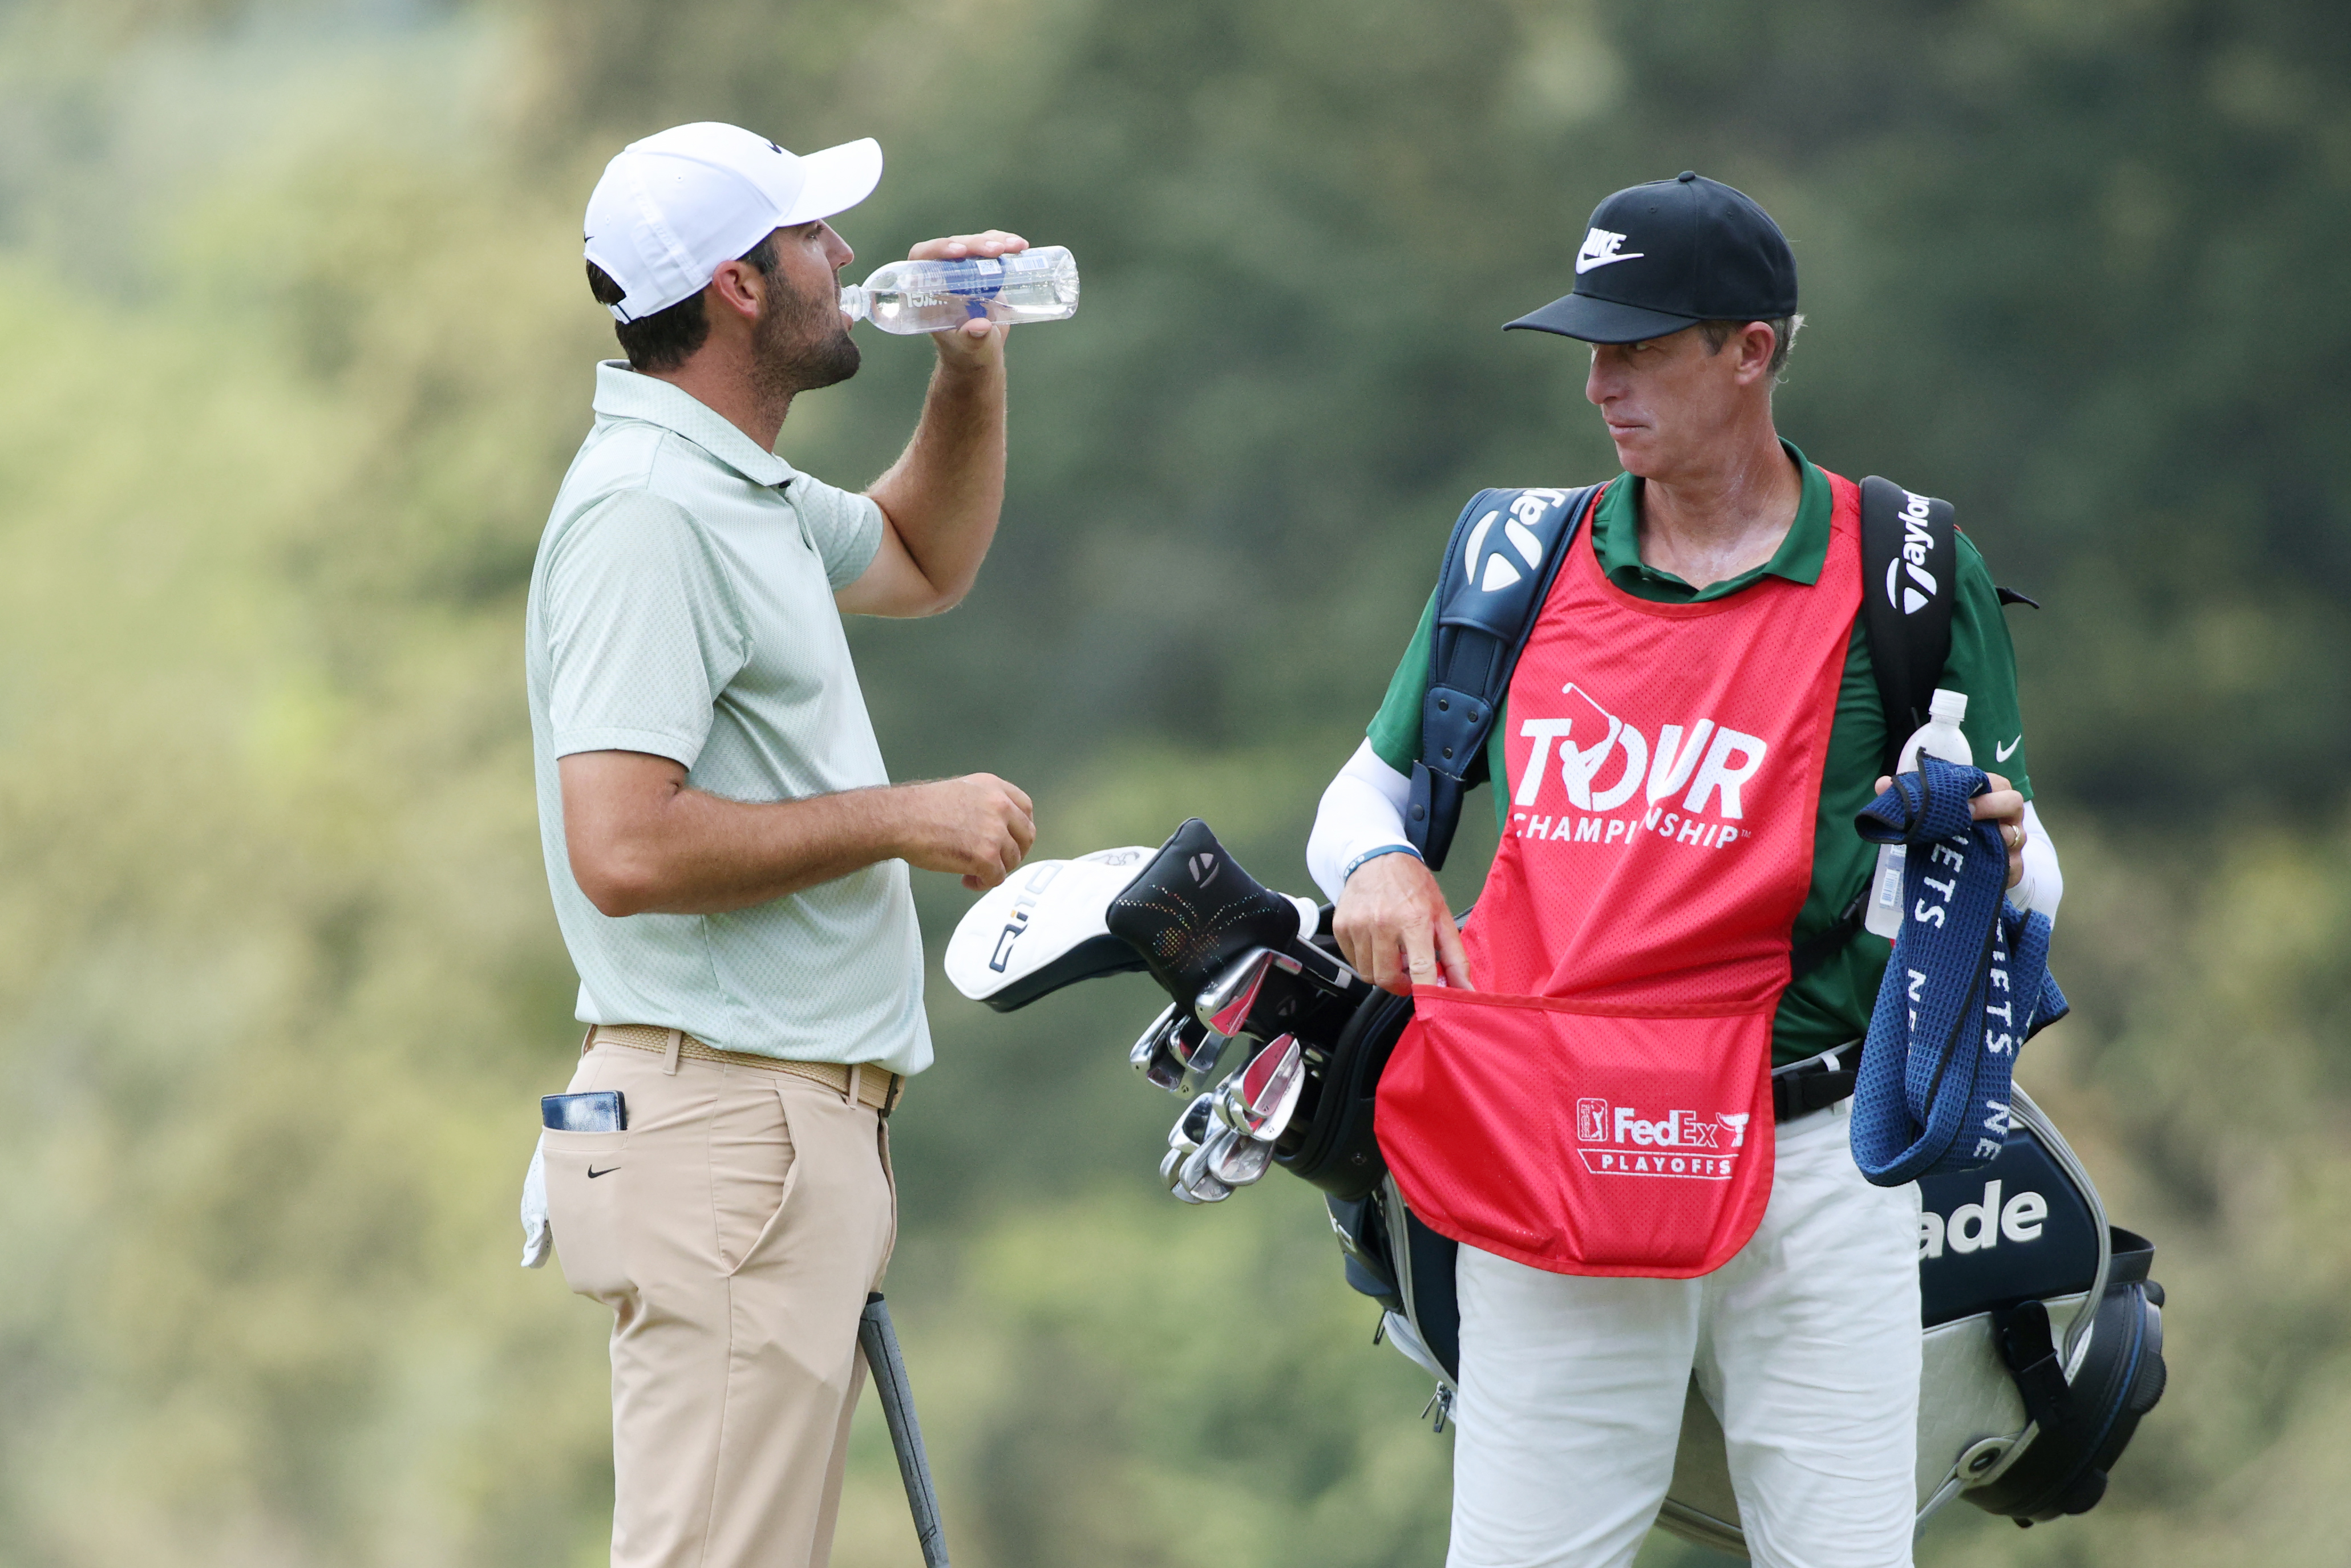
[2044, 1333]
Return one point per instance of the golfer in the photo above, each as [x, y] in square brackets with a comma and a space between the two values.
[1689, 732]
[727, 854]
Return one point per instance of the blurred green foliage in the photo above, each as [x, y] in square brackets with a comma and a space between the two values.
[296, 347]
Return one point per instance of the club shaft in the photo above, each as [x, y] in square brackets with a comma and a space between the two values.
[879, 1341]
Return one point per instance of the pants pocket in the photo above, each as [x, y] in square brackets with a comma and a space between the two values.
[584, 1209]
[752, 1165]
[889, 1179]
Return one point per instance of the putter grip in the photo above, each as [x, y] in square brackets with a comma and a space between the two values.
[879, 1341]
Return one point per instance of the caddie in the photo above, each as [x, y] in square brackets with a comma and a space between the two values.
[1584, 1099]
[729, 857]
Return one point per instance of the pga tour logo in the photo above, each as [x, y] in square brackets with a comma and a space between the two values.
[1678, 1143]
[1604, 762]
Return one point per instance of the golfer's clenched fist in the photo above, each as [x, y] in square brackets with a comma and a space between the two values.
[977, 827]
[1392, 926]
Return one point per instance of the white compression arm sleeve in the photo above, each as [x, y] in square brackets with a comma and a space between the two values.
[2046, 878]
[1362, 810]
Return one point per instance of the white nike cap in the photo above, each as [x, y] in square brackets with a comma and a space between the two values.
[675, 207]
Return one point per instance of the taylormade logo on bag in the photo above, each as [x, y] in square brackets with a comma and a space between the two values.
[1685, 1143]
[1517, 532]
[1604, 762]
[1980, 1227]
[1915, 544]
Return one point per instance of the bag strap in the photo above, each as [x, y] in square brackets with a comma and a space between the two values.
[1499, 561]
[1910, 577]
[1909, 567]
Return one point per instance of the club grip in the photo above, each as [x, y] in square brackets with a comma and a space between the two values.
[879, 1341]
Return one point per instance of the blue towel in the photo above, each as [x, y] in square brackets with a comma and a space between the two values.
[1967, 985]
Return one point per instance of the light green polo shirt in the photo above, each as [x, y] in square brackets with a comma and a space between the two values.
[682, 605]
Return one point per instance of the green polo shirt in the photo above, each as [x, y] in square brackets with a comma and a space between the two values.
[682, 605]
[1831, 1005]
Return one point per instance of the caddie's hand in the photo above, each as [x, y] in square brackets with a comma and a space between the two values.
[1392, 926]
[977, 827]
[2003, 804]
[978, 343]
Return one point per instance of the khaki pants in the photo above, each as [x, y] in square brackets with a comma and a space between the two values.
[734, 1228]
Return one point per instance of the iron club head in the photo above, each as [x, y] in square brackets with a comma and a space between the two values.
[1146, 1045]
[1198, 1177]
[1192, 1127]
[1259, 1100]
[1226, 1003]
[1229, 1160]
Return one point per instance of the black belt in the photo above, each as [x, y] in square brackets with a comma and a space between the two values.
[1815, 1085]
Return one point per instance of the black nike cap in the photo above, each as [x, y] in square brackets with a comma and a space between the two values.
[1659, 256]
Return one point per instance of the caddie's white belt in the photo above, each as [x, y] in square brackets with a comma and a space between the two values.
[875, 1088]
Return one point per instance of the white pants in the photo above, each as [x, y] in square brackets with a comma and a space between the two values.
[1806, 1344]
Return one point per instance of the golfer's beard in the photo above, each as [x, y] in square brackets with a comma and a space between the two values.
[805, 347]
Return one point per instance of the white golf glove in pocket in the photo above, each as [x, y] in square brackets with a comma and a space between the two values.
[537, 1238]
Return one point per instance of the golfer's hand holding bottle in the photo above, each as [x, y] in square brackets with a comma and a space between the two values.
[965, 290]
[986, 281]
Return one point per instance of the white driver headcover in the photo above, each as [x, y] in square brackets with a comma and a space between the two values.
[1035, 916]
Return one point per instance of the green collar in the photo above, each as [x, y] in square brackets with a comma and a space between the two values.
[1616, 536]
[623, 393]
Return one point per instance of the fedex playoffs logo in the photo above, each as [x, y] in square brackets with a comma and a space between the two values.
[1678, 1143]
[1602, 762]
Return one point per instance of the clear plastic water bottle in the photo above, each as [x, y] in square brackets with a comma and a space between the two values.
[1941, 736]
[1035, 285]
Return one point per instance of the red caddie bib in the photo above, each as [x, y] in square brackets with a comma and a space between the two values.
[1602, 1102]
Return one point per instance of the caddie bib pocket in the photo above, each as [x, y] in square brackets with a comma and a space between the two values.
[1582, 1142]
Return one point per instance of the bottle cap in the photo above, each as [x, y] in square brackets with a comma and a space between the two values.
[1948, 707]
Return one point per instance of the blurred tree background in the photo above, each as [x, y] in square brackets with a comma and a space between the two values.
[296, 346]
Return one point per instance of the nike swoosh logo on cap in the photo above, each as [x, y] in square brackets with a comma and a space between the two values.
[2002, 753]
[1599, 250]
[594, 1173]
